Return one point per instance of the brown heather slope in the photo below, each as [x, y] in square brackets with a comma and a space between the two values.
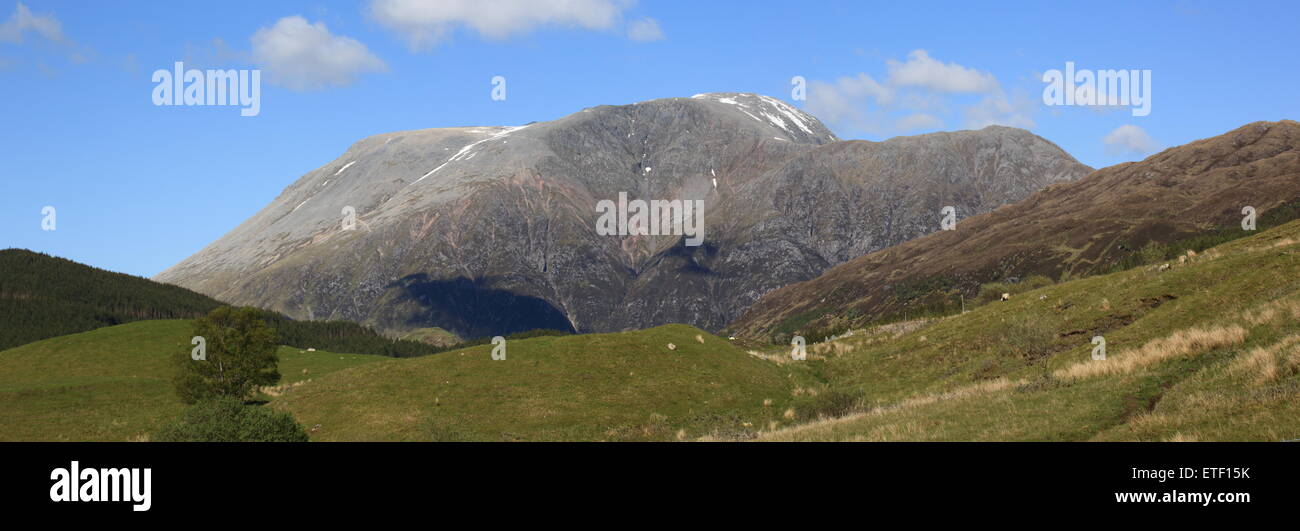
[1073, 228]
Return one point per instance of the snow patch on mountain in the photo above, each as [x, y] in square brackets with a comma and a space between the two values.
[773, 111]
[468, 152]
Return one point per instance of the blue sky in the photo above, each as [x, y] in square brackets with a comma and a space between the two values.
[138, 187]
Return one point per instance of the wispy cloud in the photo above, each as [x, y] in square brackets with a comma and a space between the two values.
[25, 27]
[921, 70]
[645, 30]
[23, 21]
[999, 108]
[299, 55]
[850, 102]
[425, 24]
[913, 95]
[1129, 140]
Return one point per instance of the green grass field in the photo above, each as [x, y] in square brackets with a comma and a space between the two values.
[1208, 349]
[114, 383]
[621, 386]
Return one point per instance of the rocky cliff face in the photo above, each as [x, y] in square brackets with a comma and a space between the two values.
[491, 230]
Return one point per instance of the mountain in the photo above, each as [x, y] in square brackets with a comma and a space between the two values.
[488, 230]
[1067, 229]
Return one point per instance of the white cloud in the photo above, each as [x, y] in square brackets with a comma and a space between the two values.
[999, 109]
[848, 102]
[864, 86]
[23, 21]
[645, 30]
[923, 71]
[914, 95]
[302, 56]
[424, 24]
[1129, 140]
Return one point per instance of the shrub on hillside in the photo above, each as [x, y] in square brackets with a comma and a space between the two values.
[227, 419]
[1151, 253]
[829, 403]
[1031, 338]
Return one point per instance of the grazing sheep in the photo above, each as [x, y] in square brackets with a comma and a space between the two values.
[1006, 297]
[672, 346]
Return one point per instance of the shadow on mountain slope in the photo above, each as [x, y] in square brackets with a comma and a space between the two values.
[471, 309]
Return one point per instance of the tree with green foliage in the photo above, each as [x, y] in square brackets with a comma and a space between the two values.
[227, 419]
[239, 357]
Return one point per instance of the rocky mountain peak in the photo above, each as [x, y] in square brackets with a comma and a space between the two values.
[490, 230]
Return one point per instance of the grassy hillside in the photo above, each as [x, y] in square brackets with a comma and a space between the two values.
[434, 336]
[114, 383]
[1206, 350]
[620, 386]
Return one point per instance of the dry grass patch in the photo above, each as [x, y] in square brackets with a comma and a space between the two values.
[1180, 344]
[969, 391]
[838, 348]
[1269, 364]
[277, 390]
[1273, 312]
[898, 431]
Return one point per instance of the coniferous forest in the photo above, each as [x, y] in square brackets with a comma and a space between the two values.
[43, 296]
